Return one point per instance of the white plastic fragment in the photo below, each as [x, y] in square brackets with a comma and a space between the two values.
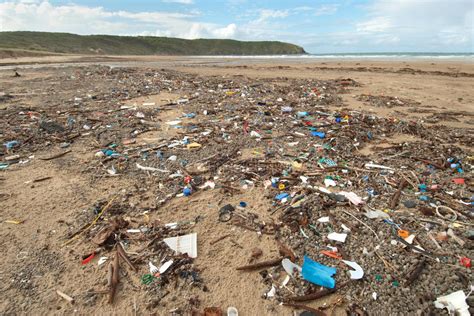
[165, 266]
[324, 190]
[183, 244]
[324, 219]
[455, 303]
[376, 214]
[374, 296]
[341, 237]
[329, 183]
[172, 123]
[345, 228]
[357, 273]
[285, 281]
[150, 168]
[290, 267]
[272, 292]
[352, 197]
[101, 261]
[254, 134]
[375, 166]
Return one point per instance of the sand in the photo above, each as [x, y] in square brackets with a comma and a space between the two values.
[35, 263]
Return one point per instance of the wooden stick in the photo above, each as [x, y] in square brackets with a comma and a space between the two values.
[416, 272]
[104, 209]
[396, 196]
[313, 296]
[263, 264]
[315, 311]
[122, 254]
[55, 156]
[65, 296]
[373, 231]
[115, 277]
[219, 239]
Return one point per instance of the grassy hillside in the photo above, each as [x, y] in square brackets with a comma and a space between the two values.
[140, 45]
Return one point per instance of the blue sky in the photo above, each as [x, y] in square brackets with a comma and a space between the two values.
[319, 26]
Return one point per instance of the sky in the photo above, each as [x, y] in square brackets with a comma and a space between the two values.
[320, 26]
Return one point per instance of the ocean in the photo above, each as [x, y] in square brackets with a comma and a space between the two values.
[381, 56]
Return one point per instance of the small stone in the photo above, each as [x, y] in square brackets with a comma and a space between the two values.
[409, 204]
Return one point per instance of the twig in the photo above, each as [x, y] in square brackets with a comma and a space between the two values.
[313, 296]
[219, 239]
[315, 311]
[362, 223]
[122, 254]
[263, 264]
[74, 237]
[115, 277]
[65, 296]
[416, 272]
[55, 156]
[396, 196]
[385, 262]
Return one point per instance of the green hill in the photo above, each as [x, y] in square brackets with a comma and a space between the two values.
[139, 45]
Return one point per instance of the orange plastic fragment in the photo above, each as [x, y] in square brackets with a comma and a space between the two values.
[331, 254]
[403, 233]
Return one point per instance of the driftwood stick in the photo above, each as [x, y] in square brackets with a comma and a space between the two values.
[315, 311]
[65, 296]
[122, 254]
[312, 296]
[219, 239]
[263, 264]
[55, 156]
[396, 196]
[115, 277]
[416, 272]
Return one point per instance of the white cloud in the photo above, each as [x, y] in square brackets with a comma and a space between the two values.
[44, 16]
[266, 14]
[374, 25]
[401, 25]
[326, 9]
[419, 21]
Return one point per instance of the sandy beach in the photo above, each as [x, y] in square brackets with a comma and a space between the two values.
[53, 198]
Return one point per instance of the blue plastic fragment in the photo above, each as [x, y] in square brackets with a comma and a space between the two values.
[318, 273]
[187, 191]
[302, 114]
[11, 144]
[110, 153]
[422, 187]
[318, 134]
[281, 196]
[424, 198]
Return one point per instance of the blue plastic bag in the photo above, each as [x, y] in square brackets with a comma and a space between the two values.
[318, 134]
[317, 273]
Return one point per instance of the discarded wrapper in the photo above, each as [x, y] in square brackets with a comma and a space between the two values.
[183, 244]
[454, 303]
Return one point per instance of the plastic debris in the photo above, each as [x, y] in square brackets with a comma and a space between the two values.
[341, 237]
[318, 274]
[183, 244]
[455, 303]
[357, 273]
